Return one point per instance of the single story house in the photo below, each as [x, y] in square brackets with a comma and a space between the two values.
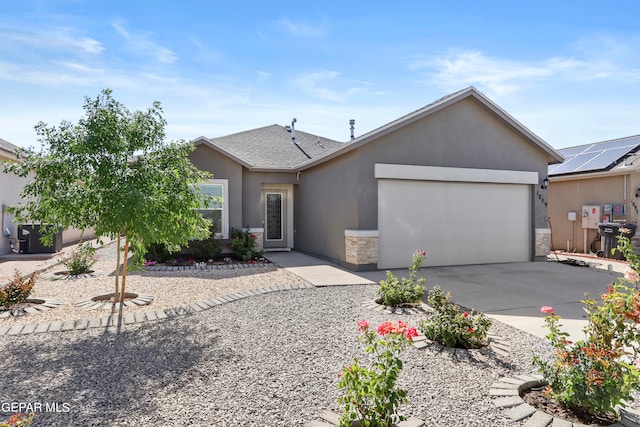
[10, 193]
[598, 182]
[457, 178]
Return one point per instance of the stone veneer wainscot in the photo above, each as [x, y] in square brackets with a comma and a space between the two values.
[361, 246]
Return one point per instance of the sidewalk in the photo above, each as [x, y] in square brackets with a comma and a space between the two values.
[34, 263]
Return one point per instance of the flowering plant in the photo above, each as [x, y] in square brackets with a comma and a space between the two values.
[394, 292]
[243, 243]
[452, 327]
[370, 394]
[601, 371]
[17, 291]
[18, 420]
[81, 260]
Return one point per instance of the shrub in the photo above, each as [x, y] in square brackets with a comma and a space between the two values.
[370, 394]
[157, 252]
[18, 420]
[602, 370]
[452, 327]
[17, 291]
[208, 248]
[242, 244]
[82, 258]
[394, 292]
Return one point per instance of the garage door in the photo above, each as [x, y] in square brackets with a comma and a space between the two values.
[466, 221]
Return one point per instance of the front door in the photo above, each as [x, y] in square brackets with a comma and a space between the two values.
[275, 218]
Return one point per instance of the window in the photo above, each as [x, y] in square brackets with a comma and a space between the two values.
[217, 212]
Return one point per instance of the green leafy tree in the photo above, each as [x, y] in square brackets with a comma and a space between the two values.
[113, 172]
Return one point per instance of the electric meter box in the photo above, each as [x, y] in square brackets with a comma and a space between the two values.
[591, 216]
[618, 209]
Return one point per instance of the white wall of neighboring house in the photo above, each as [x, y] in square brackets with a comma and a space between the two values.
[10, 188]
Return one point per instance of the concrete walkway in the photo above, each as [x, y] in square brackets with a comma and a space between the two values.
[316, 271]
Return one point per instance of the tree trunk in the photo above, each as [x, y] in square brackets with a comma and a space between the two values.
[124, 266]
[116, 294]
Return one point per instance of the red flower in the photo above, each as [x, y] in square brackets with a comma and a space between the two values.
[471, 330]
[466, 314]
[411, 333]
[385, 328]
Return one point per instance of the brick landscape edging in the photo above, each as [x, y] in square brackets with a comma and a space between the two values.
[143, 316]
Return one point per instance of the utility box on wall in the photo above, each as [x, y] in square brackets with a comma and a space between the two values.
[591, 216]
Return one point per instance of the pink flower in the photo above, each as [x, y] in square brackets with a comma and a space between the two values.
[411, 333]
[631, 276]
[546, 310]
[637, 363]
[401, 326]
[363, 325]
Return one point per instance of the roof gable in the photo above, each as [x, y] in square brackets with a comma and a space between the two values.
[552, 155]
[271, 147]
[595, 157]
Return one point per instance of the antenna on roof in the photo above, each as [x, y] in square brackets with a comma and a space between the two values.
[318, 143]
[293, 131]
[352, 126]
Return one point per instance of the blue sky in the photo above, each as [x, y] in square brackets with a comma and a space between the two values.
[568, 70]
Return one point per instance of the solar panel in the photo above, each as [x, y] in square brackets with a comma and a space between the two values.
[593, 157]
[609, 145]
[604, 159]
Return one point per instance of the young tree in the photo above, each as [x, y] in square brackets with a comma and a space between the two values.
[114, 173]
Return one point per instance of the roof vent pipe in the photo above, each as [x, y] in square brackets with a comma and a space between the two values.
[293, 131]
[352, 125]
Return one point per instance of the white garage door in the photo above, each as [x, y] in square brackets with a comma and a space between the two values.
[457, 222]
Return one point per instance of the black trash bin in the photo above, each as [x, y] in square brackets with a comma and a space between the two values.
[610, 232]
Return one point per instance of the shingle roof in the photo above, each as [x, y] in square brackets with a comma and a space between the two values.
[270, 147]
[595, 157]
[7, 148]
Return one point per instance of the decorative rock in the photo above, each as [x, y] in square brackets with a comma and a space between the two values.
[333, 419]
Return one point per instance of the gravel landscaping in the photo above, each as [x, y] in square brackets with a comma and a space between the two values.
[168, 288]
[267, 360]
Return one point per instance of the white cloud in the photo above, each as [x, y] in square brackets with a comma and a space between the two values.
[262, 75]
[500, 76]
[301, 29]
[52, 38]
[142, 43]
[313, 83]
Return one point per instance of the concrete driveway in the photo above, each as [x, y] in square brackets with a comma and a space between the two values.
[511, 293]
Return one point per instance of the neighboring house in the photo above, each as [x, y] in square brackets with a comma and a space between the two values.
[603, 179]
[456, 178]
[10, 188]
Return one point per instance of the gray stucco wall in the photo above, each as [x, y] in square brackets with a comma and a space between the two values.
[252, 194]
[207, 159]
[342, 193]
[326, 203]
